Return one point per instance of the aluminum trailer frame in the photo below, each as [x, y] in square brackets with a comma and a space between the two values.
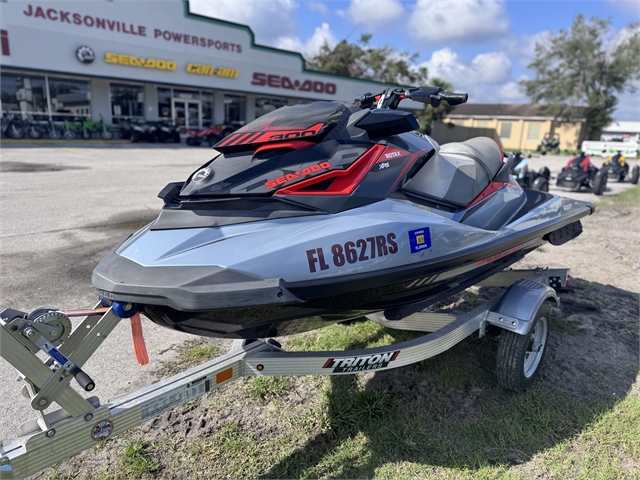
[82, 423]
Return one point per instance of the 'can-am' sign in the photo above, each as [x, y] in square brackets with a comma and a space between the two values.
[281, 81]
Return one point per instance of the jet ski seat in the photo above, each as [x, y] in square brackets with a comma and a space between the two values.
[458, 173]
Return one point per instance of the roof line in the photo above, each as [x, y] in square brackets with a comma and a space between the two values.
[253, 45]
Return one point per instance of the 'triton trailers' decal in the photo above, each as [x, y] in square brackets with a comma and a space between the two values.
[361, 364]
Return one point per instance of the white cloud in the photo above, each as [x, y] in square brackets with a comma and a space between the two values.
[259, 15]
[523, 47]
[487, 77]
[373, 15]
[621, 36]
[487, 68]
[312, 45]
[492, 68]
[510, 93]
[466, 21]
[318, 7]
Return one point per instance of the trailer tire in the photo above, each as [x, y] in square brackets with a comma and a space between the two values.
[517, 362]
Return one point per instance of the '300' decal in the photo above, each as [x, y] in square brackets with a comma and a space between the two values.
[360, 250]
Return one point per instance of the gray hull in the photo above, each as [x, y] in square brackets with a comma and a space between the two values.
[287, 275]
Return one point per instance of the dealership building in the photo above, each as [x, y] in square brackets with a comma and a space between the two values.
[148, 61]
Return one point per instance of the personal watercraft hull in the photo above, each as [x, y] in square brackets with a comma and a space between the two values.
[296, 274]
[327, 211]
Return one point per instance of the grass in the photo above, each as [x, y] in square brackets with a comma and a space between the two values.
[192, 353]
[443, 418]
[266, 388]
[137, 459]
[626, 199]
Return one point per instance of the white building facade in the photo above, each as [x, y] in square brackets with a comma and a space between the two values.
[148, 61]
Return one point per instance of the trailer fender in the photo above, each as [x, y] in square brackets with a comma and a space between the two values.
[518, 307]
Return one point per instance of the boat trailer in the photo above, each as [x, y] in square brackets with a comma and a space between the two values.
[81, 423]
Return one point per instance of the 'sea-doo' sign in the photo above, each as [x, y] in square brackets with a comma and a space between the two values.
[361, 364]
[133, 61]
[280, 81]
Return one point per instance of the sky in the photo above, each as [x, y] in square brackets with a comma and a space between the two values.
[482, 47]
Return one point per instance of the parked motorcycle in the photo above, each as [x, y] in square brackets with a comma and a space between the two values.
[210, 134]
[53, 131]
[167, 131]
[143, 132]
[12, 126]
[69, 129]
[32, 129]
[89, 127]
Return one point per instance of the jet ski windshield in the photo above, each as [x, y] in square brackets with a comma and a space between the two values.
[298, 122]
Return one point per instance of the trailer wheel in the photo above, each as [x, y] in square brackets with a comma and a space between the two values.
[519, 356]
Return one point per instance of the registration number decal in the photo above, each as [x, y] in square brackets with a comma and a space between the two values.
[360, 250]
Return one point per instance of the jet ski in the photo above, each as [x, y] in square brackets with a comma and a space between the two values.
[328, 211]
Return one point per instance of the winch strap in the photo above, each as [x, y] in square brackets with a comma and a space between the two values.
[138, 340]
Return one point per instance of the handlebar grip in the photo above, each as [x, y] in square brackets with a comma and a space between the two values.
[455, 98]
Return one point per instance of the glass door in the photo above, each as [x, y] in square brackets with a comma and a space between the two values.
[187, 113]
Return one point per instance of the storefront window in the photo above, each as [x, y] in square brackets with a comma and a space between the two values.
[25, 95]
[164, 103]
[235, 109]
[266, 105]
[127, 101]
[69, 98]
[207, 108]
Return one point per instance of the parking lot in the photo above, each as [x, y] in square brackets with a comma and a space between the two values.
[63, 209]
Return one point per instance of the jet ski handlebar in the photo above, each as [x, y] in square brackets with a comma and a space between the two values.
[391, 97]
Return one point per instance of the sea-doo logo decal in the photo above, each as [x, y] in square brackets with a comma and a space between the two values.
[277, 81]
[249, 138]
[296, 175]
[498, 256]
[361, 364]
[360, 250]
[201, 175]
[419, 239]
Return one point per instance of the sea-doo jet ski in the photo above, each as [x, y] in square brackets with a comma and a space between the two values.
[324, 212]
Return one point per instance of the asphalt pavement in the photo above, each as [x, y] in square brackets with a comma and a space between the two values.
[62, 209]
